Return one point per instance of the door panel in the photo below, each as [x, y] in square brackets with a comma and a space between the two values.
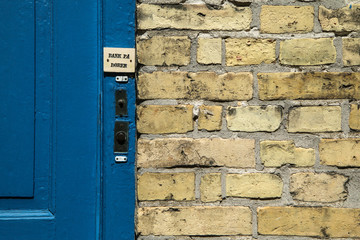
[50, 113]
[17, 95]
[54, 184]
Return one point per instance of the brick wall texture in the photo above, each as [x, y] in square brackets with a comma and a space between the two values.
[248, 119]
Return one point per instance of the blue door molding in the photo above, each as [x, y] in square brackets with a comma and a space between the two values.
[118, 178]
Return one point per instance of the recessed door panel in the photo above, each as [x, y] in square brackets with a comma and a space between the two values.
[17, 80]
[49, 120]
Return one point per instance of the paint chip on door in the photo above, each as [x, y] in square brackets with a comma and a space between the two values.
[119, 60]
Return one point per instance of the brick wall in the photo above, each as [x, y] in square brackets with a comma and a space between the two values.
[248, 119]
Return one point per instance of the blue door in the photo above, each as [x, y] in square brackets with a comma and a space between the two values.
[58, 176]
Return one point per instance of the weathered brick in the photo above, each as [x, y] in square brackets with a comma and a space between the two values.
[309, 221]
[354, 120]
[162, 1]
[193, 16]
[315, 119]
[245, 1]
[213, 2]
[210, 187]
[351, 51]
[170, 152]
[201, 85]
[287, 19]
[209, 51]
[204, 220]
[279, 153]
[158, 119]
[319, 85]
[340, 20]
[166, 186]
[167, 51]
[254, 118]
[340, 152]
[254, 185]
[248, 51]
[307, 51]
[210, 118]
[318, 187]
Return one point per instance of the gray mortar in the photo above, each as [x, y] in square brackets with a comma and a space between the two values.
[197, 185]
[256, 9]
[339, 52]
[345, 114]
[317, 25]
[306, 140]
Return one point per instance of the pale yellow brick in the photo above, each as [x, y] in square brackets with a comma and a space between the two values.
[304, 157]
[200, 85]
[307, 51]
[354, 120]
[199, 220]
[210, 118]
[167, 51]
[315, 119]
[254, 185]
[166, 186]
[162, 1]
[351, 51]
[193, 16]
[254, 118]
[209, 51]
[340, 152]
[171, 152]
[249, 51]
[318, 85]
[210, 187]
[309, 221]
[318, 187]
[158, 119]
[287, 19]
[340, 20]
[278, 153]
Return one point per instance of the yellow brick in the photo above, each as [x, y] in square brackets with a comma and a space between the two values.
[158, 119]
[315, 119]
[209, 51]
[307, 51]
[340, 20]
[254, 185]
[193, 16]
[201, 85]
[203, 220]
[248, 51]
[351, 51]
[278, 153]
[254, 118]
[354, 120]
[164, 50]
[319, 85]
[239, 153]
[340, 152]
[210, 187]
[166, 186]
[287, 19]
[307, 221]
[210, 118]
[318, 187]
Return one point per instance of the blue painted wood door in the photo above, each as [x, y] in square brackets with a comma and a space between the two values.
[56, 118]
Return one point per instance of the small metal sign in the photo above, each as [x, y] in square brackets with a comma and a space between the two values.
[119, 60]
